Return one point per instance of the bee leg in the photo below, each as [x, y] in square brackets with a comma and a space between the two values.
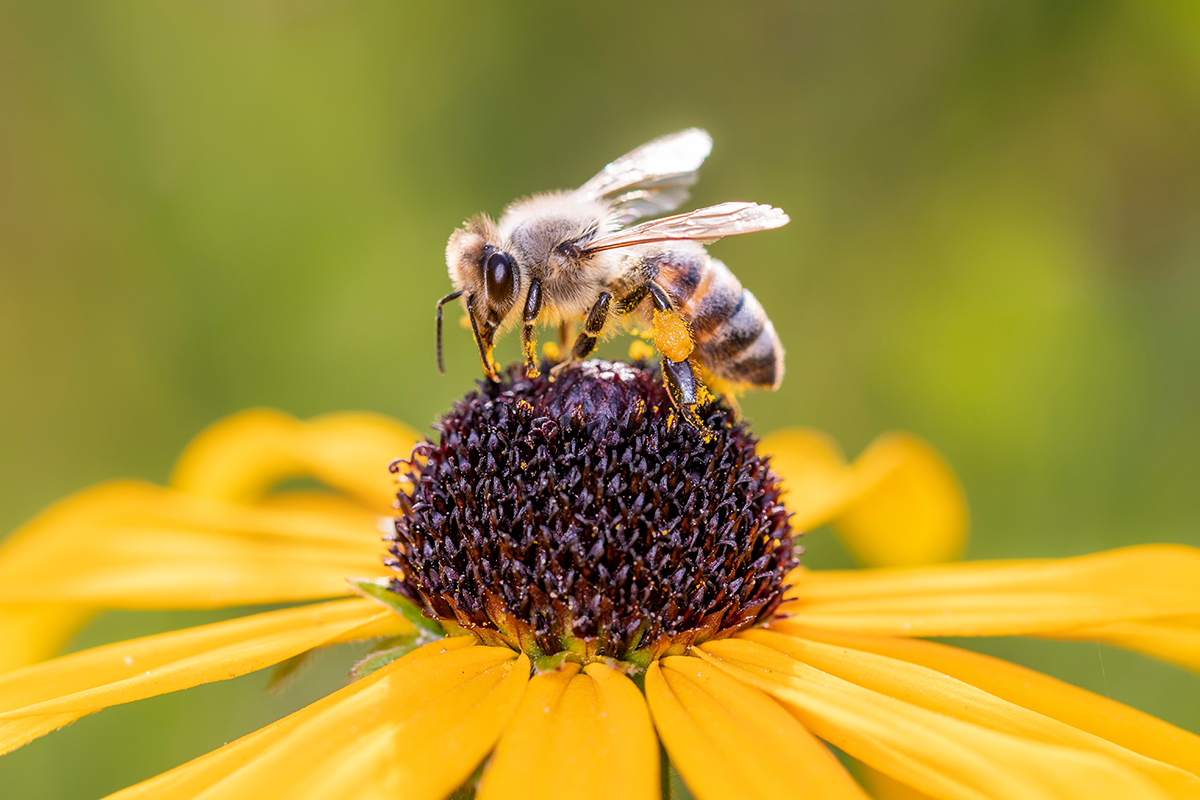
[681, 383]
[585, 342]
[662, 301]
[674, 341]
[672, 336]
[529, 349]
[440, 303]
[632, 300]
[680, 380]
[533, 307]
[484, 339]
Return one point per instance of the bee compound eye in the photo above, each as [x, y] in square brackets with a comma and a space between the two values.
[499, 272]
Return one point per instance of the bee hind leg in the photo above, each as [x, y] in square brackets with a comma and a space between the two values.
[673, 338]
[685, 390]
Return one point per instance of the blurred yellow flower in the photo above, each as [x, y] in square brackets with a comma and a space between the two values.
[738, 716]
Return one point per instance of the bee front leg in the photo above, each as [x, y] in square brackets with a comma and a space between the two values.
[585, 342]
[440, 303]
[484, 338]
[533, 307]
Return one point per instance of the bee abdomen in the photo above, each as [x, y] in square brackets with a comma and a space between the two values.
[734, 339]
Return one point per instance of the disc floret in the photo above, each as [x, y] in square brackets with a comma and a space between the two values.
[580, 516]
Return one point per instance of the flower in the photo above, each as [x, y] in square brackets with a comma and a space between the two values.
[739, 697]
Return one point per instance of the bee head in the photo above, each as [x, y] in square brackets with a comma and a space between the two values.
[483, 270]
[485, 275]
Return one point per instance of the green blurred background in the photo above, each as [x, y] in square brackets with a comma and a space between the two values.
[995, 243]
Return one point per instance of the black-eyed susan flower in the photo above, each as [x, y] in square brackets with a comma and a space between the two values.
[574, 584]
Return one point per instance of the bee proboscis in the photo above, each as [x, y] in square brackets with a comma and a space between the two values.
[566, 257]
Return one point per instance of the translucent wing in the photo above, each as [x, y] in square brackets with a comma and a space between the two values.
[653, 178]
[704, 225]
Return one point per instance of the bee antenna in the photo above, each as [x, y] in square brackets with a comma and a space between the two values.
[440, 303]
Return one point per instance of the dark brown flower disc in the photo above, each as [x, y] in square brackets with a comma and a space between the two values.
[582, 515]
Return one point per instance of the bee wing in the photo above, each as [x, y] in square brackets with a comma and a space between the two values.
[704, 225]
[653, 178]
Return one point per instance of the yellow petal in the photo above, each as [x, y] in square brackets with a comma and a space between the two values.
[192, 778]
[898, 504]
[589, 731]
[132, 545]
[1108, 719]
[33, 632]
[42, 697]
[1175, 639]
[417, 729]
[730, 740]
[817, 484]
[1156, 586]
[240, 458]
[937, 754]
[926, 688]
[915, 511]
[885, 787]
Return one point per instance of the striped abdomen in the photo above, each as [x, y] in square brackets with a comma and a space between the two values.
[734, 339]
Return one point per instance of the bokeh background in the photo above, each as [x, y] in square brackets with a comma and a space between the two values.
[995, 243]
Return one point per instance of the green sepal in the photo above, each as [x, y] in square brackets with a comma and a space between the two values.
[385, 653]
[377, 589]
[640, 659]
[551, 663]
[452, 628]
[574, 644]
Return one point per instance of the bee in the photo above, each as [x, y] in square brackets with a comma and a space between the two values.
[568, 257]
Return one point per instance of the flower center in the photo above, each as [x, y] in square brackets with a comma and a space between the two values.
[582, 515]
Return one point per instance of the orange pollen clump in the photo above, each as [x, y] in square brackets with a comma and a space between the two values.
[671, 335]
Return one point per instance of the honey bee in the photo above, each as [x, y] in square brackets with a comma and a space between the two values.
[566, 257]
